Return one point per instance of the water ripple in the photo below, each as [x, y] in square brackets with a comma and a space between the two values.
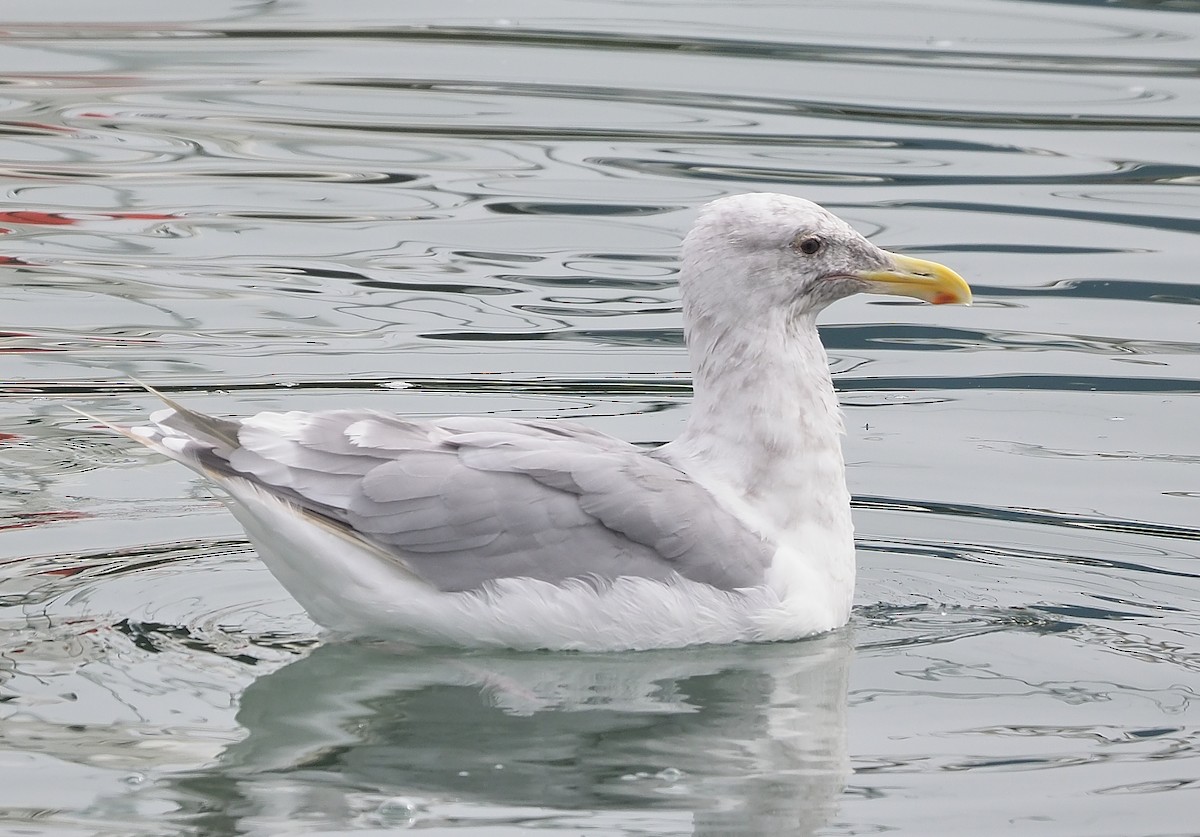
[434, 211]
[1016, 515]
[942, 58]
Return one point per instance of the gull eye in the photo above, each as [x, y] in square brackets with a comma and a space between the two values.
[809, 245]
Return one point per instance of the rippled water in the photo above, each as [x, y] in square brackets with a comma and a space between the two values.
[431, 208]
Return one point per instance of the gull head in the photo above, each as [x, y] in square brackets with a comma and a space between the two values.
[752, 256]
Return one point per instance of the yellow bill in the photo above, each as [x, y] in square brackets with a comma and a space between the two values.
[919, 278]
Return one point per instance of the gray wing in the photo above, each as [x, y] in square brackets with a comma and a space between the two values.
[464, 501]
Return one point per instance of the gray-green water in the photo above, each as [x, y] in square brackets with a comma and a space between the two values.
[461, 207]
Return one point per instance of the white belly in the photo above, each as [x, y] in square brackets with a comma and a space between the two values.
[352, 591]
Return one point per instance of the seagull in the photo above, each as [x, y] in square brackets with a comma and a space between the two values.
[482, 531]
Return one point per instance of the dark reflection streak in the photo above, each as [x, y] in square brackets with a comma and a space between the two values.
[435, 287]
[66, 571]
[1154, 222]
[529, 134]
[1126, 175]
[1026, 383]
[355, 177]
[375, 178]
[856, 338]
[133, 558]
[150, 636]
[937, 635]
[563, 310]
[614, 337]
[20, 130]
[840, 53]
[156, 637]
[944, 623]
[179, 174]
[1152, 5]
[1045, 518]
[929, 639]
[584, 209]
[624, 386]
[1028, 250]
[575, 281]
[659, 386]
[741, 104]
[841, 110]
[1122, 290]
[1091, 613]
[968, 551]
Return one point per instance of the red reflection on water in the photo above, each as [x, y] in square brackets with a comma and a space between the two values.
[60, 219]
[28, 520]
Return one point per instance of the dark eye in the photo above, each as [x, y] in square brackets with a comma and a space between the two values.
[809, 246]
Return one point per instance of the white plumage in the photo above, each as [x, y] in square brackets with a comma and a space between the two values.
[545, 534]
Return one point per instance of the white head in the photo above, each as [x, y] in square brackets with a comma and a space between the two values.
[751, 256]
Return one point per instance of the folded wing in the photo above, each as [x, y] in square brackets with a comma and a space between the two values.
[464, 501]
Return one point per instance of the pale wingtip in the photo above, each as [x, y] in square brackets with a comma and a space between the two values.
[125, 431]
[223, 431]
[82, 413]
[91, 417]
[157, 394]
[116, 428]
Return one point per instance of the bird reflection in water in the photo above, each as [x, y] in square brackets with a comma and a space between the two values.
[702, 741]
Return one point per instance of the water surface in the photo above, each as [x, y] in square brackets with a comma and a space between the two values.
[437, 210]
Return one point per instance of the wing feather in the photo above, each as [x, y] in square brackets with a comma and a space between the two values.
[465, 501]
